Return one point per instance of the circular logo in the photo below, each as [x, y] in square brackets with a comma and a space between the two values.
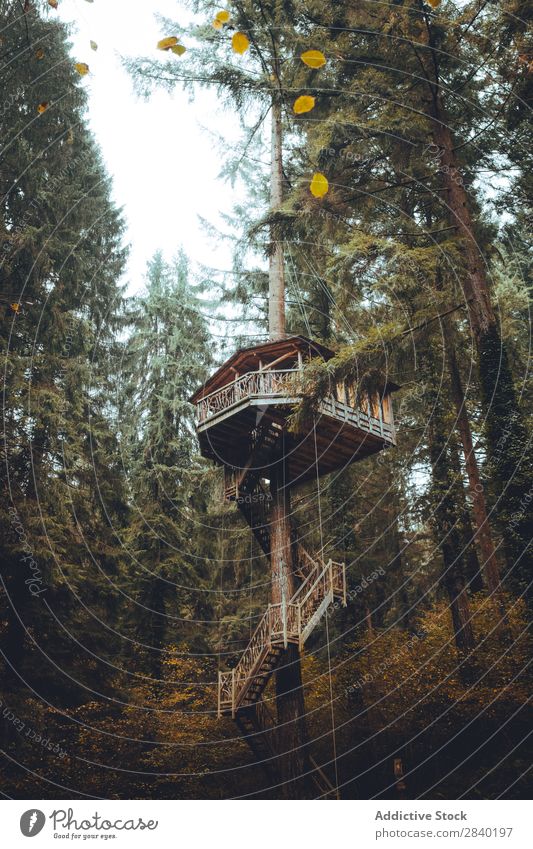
[32, 822]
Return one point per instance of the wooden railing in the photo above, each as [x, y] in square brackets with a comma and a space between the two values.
[339, 580]
[312, 565]
[252, 383]
[376, 426]
[270, 383]
[280, 625]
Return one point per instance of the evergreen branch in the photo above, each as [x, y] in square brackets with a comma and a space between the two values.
[478, 13]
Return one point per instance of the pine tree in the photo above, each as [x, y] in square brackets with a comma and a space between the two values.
[169, 346]
[61, 257]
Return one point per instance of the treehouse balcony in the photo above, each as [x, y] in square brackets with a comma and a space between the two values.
[245, 405]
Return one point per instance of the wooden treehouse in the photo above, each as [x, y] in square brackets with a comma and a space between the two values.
[242, 412]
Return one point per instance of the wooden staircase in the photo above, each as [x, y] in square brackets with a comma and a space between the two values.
[281, 624]
[240, 689]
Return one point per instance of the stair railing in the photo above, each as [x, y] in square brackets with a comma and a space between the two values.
[281, 624]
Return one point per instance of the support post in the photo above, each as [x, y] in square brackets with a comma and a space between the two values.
[292, 729]
[380, 411]
[284, 619]
[344, 598]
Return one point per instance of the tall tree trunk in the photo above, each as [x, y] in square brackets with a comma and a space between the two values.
[475, 487]
[292, 736]
[510, 455]
[444, 517]
[473, 569]
[276, 272]
[445, 499]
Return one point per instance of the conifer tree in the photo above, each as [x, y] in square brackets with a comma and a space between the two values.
[61, 257]
[168, 347]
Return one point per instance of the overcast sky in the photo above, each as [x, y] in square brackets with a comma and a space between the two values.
[164, 166]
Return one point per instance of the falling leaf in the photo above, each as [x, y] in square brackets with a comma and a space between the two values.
[42, 107]
[319, 185]
[313, 58]
[53, 3]
[39, 54]
[217, 24]
[434, 3]
[167, 43]
[179, 49]
[240, 43]
[304, 104]
[15, 307]
[82, 68]
[94, 45]
[222, 16]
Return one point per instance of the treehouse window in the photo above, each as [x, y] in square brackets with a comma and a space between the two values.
[351, 396]
[387, 409]
[341, 393]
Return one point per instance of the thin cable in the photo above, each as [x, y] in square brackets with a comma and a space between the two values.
[221, 562]
[251, 593]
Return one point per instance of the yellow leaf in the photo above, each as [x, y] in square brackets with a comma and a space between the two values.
[313, 58]
[39, 54]
[178, 49]
[434, 3]
[82, 68]
[222, 16]
[167, 43]
[94, 45]
[53, 4]
[70, 137]
[42, 107]
[240, 43]
[319, 185]
[304, 104]
[217, 24]
[15, 307]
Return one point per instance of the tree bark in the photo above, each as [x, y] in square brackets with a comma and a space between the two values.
[292, 736]
[276, 271]
[473, 569]
[445, 498]
[477, 492]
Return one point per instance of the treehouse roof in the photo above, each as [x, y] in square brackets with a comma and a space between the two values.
[247, 359]
[285, 351]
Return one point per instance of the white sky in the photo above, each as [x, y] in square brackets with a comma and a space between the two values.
[164, 166]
